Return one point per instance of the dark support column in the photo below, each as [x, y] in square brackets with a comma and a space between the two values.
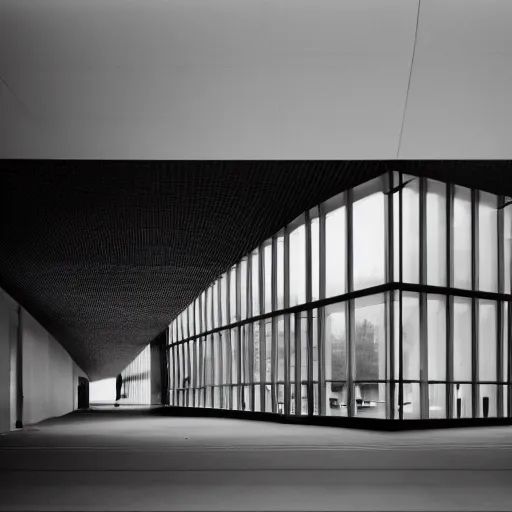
[423, 302]
[263, 333]
[390, 299]
[474, 302]
[500, 320]
[159, 374]
[400, 320]
[287, 320]
[310, 386]
[19, 370]
[274, 323]
[350, 313]
[321, 315]
[449, 301]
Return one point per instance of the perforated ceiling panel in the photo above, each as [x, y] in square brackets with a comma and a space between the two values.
[106, 254]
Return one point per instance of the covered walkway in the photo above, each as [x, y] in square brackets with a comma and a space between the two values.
[128, 459]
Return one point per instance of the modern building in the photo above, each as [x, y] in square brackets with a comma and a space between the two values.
[389, 300]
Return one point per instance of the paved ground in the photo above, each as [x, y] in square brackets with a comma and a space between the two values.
[126, 459]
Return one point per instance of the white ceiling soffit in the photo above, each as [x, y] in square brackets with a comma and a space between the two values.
[212, 79]
[460, 99]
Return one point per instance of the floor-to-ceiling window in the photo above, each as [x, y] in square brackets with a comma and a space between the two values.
[389, 300]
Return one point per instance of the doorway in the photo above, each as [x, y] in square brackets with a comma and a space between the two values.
[83, 393]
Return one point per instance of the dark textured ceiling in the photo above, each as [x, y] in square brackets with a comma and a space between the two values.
[105, 254]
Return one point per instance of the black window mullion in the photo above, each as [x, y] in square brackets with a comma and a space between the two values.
[474, 301]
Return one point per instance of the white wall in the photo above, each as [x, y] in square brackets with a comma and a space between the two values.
[50, 376]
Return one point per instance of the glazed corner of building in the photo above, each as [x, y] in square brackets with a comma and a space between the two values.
[387, 306]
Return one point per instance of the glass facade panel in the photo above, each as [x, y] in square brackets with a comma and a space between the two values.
[315, 254]
[436, 233]
[437, 401]
[462, 336]
[488, 242]
[335, 246]
[267, 256]
[224, 299]
[255, 283]
[488, 407]
[462, 406]
[410, 230]
[232, 296]
[298, 264]
[280, 270]
[370, 338]
[411, 336]
[369, 230]
[487, 341]
[505, 353]
[280, 350]
[216, 311]
[370, 399]
[462, 254]
[436, 329]
[507, 245]
[243, 289]
[251, 366]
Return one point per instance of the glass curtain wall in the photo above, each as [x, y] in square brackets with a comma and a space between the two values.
[136, 387]
[389, 300]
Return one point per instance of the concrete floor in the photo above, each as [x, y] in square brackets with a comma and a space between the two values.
[126, 459]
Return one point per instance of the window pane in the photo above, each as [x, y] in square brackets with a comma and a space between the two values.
[197, 317]
[335, 360]
[370, 338]
[298, 264]
[437, 401]
[234, 356]
[191, 330]
[370, 400]
[436, 233]
[462, 255]
[224, 299]
[243, 289]
[280, 349]
[487, 340]
[315, 254]
[179, 327]
[315, 347]
[411, 336]
[217, 357]
[256, 352]
[226, 357]
[488, 242]
[268, 350]
[462, 407]
[436, 312]
[505, 342]
[204, 309]
[335, 246]
[244, 346]
[507, 239]
[411, 400]
[488, 401]
[411, 230]
[280, 270]
[369, 235]
[216, 304]
[267, 253]
[209, 308]
[255, 283]
[232, 295]
[462, 339]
